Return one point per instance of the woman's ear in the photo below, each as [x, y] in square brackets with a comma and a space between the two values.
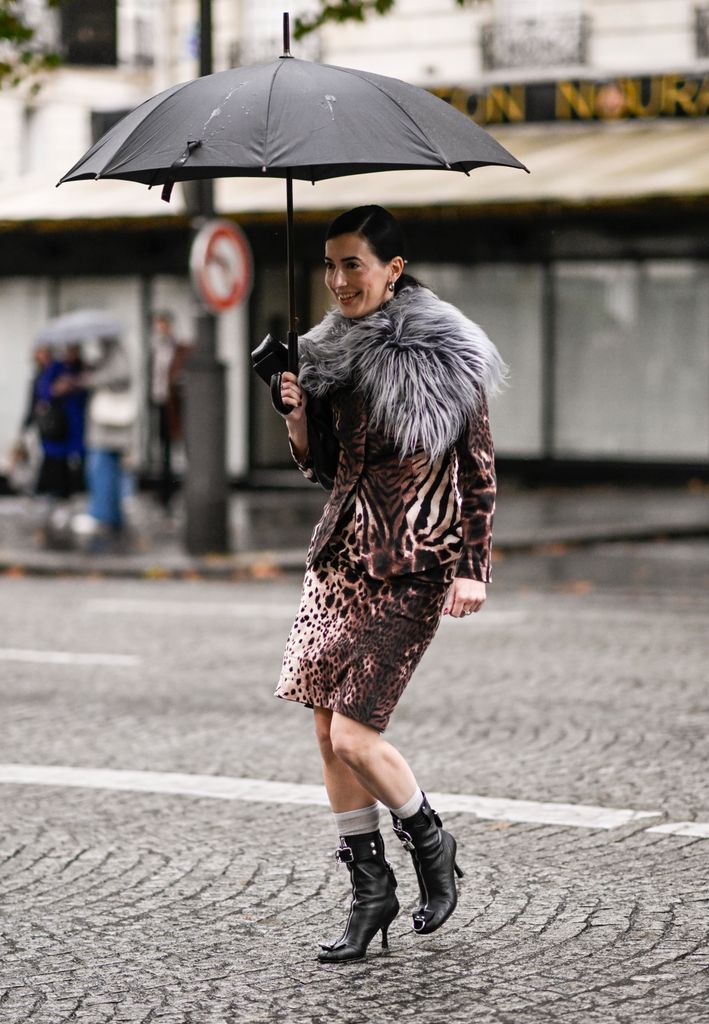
[397, 267]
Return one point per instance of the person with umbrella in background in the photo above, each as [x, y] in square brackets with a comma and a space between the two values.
[74, 397]
[57, 408]
[111, 417]
[108, 420]
[45, 411]
[405, 537]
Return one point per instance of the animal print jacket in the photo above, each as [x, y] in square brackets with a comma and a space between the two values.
[408, 386]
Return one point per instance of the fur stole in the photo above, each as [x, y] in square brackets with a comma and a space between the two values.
[421, 365]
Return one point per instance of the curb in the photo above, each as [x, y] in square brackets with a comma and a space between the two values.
[258, 565]
[269, 565]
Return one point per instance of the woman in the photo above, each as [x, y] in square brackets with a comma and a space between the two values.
[405, 537]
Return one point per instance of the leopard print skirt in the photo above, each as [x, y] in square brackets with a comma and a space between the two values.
[356, 640]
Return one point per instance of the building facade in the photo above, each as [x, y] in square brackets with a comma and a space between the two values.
[591, 274]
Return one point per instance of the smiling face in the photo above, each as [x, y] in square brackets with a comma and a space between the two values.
[356, 277]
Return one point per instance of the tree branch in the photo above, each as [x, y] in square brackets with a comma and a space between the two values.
[21, 58]
[349, 10]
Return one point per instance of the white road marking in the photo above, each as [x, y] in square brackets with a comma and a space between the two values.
[531, 811]
[264, 791]
[218, 787]
[697, 829]
[67, 658]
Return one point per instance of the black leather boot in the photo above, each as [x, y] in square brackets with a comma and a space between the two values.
[433, 852]
[374, 904]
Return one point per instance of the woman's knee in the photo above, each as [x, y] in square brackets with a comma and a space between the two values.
[350, 740]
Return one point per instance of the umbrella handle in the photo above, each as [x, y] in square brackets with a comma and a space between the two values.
[276, 401]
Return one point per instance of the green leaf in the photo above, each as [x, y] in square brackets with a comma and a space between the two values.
[24, 59]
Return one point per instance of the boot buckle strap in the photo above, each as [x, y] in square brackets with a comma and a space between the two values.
[344, 854]
[405, 838]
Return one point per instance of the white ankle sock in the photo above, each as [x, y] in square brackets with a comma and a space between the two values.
[359, 822]
[410, 807]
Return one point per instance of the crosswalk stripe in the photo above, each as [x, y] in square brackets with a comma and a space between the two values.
[266, 791]
[68, 657]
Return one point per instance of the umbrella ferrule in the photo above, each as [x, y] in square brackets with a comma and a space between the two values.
[286, 35]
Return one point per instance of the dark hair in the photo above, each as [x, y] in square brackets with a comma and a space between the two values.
[381, 230]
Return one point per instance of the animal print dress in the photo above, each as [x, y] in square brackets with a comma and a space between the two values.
[356, 639]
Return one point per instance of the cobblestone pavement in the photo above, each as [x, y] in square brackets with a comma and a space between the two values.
[126, 907]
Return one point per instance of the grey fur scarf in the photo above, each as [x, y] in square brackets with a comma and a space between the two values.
[420, 363]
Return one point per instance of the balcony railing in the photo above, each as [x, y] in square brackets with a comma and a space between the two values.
[701, 30]
[535, 42]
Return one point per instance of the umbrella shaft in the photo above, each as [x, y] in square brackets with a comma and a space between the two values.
[292, 318]
[293, 351]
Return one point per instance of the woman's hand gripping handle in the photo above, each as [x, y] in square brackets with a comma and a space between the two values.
[293, 395]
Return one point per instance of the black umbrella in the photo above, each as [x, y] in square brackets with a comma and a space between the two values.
[288, 119]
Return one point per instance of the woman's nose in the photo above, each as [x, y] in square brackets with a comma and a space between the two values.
[338, 278]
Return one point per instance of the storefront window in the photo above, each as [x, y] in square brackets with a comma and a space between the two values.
[630, 371]
[506, 300]
[632, 359]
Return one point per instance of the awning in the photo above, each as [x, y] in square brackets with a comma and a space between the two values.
[571, 165]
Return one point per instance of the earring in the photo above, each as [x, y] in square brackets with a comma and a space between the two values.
[391, 286]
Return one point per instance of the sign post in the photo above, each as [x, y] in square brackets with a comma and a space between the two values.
[221, 271]
[216, 269]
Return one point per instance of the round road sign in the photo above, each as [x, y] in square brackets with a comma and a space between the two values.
[221, 265]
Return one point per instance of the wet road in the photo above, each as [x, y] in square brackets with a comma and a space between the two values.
[579, 692]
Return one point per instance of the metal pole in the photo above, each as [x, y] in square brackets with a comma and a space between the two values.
[205, 37]
[206, 485]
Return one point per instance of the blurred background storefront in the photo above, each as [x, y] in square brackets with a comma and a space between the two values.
[591, 274]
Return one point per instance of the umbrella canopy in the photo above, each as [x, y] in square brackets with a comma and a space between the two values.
[80, 325]
[286, 118]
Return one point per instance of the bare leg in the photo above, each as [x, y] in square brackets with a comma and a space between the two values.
[368, 768]
[345, 791]
[374, 904]
[380, 770]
